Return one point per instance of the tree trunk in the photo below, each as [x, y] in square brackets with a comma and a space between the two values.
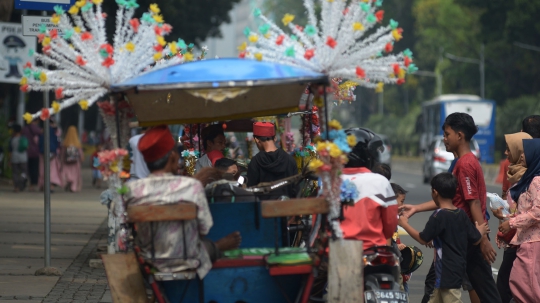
[6, 8]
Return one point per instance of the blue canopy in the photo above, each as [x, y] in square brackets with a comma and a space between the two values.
[221, 73]
[217, 90]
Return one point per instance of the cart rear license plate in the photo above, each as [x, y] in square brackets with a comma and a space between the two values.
[386, 296]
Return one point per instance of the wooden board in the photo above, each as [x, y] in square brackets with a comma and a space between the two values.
[125, 279]
[345, 272]
[172, 212]
[294, 207]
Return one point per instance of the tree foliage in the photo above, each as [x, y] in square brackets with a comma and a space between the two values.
[193, 21]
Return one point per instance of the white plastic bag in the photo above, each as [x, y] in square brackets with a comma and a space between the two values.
[495, 202]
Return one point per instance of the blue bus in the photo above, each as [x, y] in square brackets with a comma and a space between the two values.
[434, 113]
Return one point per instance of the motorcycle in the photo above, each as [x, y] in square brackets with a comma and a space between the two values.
[381, 276]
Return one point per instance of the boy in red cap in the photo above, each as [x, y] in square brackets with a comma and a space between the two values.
[161, 187]
[271, 163]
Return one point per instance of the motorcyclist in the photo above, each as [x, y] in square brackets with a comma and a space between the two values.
[372, 217]
[372, 214]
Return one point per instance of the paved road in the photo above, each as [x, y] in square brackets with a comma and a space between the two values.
[419, 193]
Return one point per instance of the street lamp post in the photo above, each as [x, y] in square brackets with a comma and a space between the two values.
[436, 75]
[480, 63]
[527, 46]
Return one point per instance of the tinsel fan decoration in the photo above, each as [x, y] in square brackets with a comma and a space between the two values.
[346, 42]
[83, 64]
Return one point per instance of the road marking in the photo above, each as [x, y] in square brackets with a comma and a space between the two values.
[410, 185]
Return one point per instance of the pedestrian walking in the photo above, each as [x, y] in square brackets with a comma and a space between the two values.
[525, 275]
[31, 132]
[97, 177]
[18, 146]
[516, 169]
[72, 157]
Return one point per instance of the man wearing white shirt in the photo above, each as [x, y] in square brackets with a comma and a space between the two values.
[138, 170]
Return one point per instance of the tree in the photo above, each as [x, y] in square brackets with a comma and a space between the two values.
[6, 7]
[503, 23]
[445, 26]
[193, 21]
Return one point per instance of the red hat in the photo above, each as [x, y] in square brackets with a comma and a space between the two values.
[214, 156]
[156, 143]
[264, 129]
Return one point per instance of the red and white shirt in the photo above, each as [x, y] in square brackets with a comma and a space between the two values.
[374, 215]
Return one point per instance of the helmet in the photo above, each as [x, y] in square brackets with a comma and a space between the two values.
[367, 149]
[412, 259]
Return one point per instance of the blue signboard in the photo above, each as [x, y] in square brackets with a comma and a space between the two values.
[43, 5]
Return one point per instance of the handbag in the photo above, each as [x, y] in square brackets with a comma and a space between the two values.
[506, 238]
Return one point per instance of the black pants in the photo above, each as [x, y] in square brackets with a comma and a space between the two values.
[18, 172]
[503, 279]
[480, 276]
[33, 170]
[429, 283]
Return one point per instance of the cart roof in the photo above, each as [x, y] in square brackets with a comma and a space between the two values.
[172, 95]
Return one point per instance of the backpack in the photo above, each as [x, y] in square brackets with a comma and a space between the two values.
[72, 155]
[23, 144]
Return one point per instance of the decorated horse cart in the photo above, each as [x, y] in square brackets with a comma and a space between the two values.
[142, 77]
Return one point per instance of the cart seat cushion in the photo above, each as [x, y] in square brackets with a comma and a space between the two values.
[260, 251]
[286, 256]
[289, 259]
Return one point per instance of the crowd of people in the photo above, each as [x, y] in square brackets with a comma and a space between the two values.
[26, 155]
[457, 228]
[463, 256]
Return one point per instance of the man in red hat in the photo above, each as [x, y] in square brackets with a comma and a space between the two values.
[158, 149]
[271, 163]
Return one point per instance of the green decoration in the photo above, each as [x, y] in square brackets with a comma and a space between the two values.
[412, 68]
[289, 52]
[393, 24]
[263, 29]
[58, 10]
[310, 30]
[365, 7]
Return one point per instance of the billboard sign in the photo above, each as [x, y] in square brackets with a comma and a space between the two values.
[14, 52]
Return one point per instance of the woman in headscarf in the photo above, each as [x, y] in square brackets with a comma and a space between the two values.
[514, 150]
[525, 276]
[72, 157]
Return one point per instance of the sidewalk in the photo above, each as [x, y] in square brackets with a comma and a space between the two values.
[78, 228]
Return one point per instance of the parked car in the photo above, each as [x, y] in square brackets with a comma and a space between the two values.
[386, 154]
[438, 160]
